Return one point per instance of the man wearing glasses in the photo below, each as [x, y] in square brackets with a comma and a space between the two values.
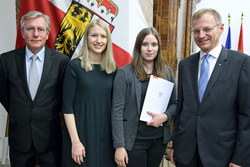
[212, 128]
[31, 82]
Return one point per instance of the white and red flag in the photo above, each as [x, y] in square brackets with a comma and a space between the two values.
[69, 19]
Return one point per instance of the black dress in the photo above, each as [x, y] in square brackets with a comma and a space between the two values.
[88, 96]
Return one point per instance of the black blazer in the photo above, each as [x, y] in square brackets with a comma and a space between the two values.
[220, 124]
[126, 108]
[30, 121]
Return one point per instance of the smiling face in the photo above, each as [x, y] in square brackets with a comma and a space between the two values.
[97, 40]
[149, 48]
[207, 32]
[35, 34]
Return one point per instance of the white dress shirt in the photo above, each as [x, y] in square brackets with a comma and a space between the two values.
[39, 62]
[212, 59]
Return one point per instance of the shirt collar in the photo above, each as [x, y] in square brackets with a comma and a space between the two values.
[40, 54]
[214, 53]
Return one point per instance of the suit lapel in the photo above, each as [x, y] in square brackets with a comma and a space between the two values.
[194, 73]
[48, 61]
[21, 65]
[219, 66]
[137, 91]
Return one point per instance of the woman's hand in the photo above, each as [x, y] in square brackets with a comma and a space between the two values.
[121, 156]
[78, 152]
[157, 119]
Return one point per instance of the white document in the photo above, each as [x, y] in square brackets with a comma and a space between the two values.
[157, 97]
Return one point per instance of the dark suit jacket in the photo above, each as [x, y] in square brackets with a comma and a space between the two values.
[30, 121]
[220, 124]
[126, 108]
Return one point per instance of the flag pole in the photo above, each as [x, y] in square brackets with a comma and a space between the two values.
[228, 40]
[242, 17]
[240, 44]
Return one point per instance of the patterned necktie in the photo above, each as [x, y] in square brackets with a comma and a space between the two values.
[204, 76]
[34, 79]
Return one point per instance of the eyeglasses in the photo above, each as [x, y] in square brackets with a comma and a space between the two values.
[206, 29]
[40, 30]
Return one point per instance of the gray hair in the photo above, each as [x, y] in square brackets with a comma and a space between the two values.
[35, 14]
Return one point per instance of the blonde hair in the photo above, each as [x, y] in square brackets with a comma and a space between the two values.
[160, 69]
[213, 12]
[107, 63]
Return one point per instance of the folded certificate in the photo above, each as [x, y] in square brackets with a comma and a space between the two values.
[157, 97]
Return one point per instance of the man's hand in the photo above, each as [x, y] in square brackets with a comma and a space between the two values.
[172, 157]
[233, 165]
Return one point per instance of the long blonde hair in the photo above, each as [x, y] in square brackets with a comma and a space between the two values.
[160, 69]
[107, 62]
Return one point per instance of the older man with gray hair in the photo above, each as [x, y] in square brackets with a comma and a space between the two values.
[31, 89]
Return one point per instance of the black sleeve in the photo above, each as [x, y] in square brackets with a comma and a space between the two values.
[3, 84]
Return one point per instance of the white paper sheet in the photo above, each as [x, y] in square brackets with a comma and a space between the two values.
[157, 97]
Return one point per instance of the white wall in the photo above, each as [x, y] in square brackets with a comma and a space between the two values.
[234, 7]
[7, 42]
[8, 25]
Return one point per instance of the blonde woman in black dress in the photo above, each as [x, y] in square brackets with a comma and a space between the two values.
[88, 82]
